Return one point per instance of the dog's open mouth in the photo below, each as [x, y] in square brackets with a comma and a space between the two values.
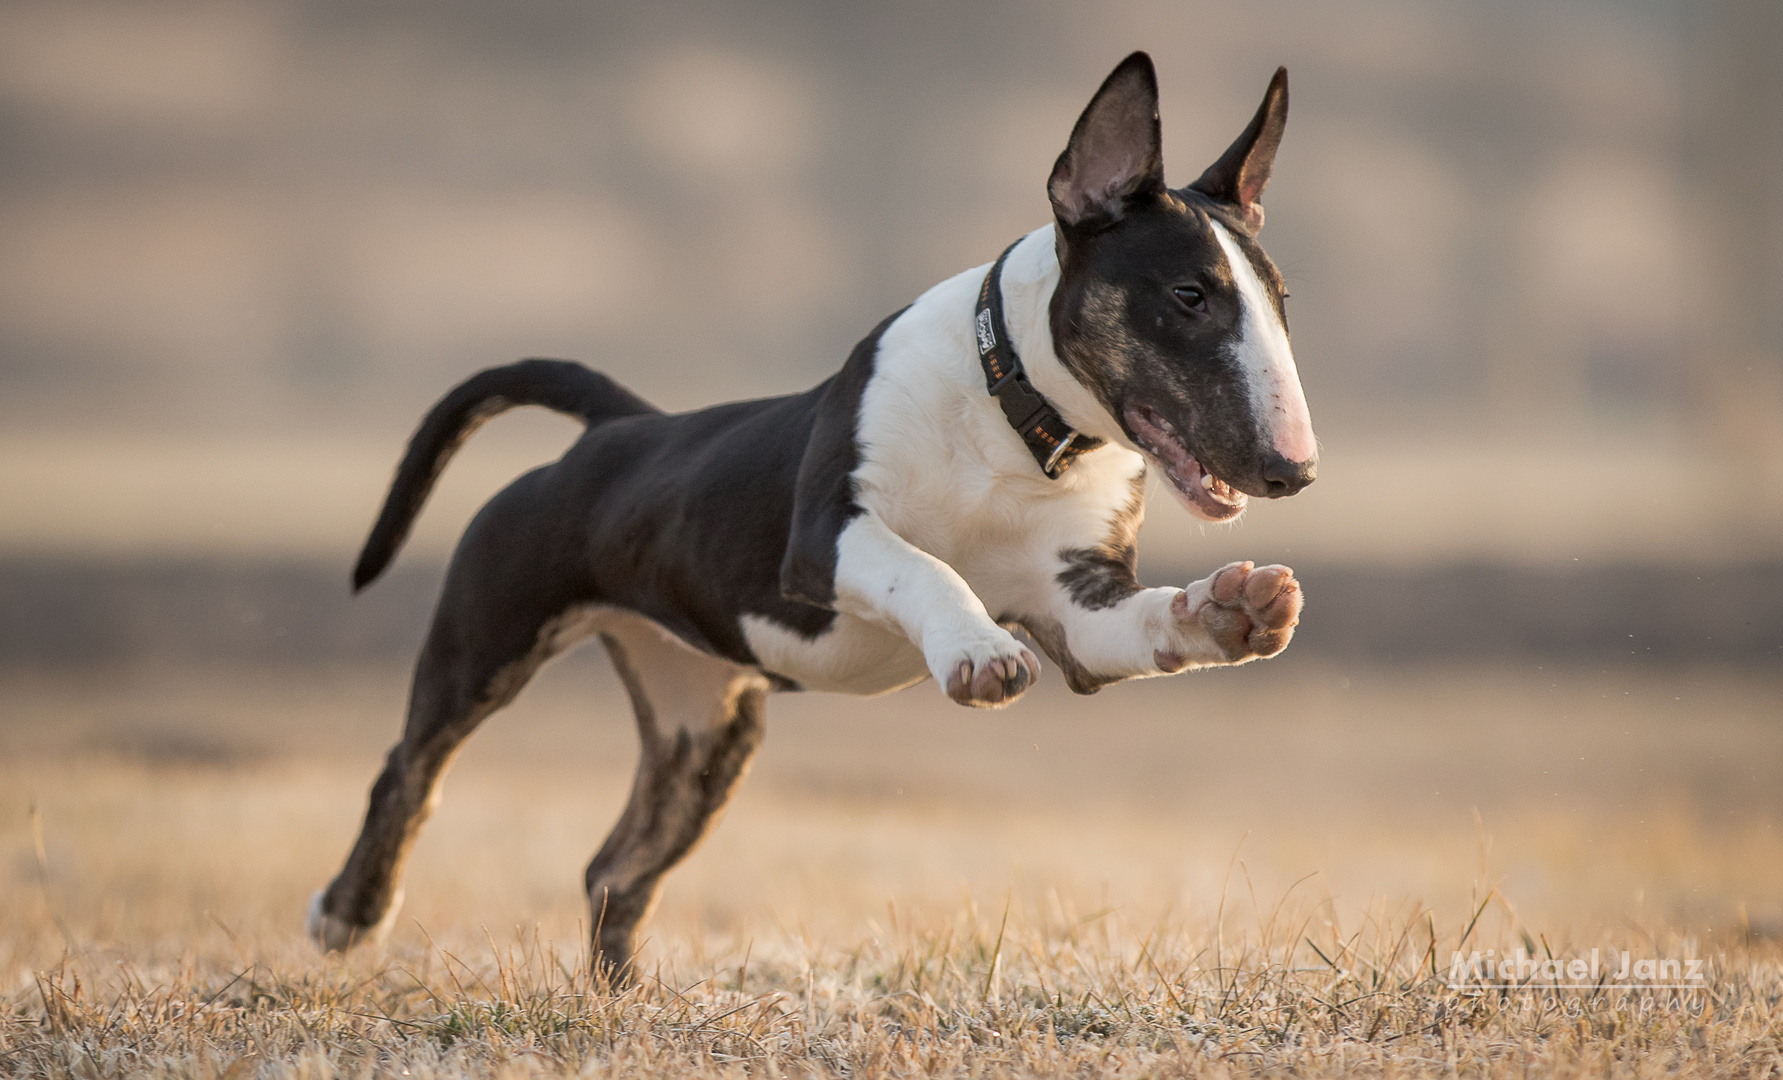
[1207, 495]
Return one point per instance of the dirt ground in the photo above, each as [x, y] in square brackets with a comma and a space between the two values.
[1261, 870]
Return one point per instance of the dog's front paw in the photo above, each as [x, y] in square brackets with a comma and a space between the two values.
[988, 673]
[1248, 611]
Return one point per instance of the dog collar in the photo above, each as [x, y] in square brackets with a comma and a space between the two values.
[1054, 443]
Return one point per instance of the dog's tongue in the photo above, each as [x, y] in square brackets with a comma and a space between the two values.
[1207, 495]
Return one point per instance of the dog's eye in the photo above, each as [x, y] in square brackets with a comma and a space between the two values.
[1190, 297]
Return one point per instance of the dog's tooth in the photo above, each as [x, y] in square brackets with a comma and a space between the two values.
[1207, 481]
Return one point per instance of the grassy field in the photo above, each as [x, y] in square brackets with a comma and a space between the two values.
[1258, 871]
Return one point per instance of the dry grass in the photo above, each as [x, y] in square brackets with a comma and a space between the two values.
[1250, 872]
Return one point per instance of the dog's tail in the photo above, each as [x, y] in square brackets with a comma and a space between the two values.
[561, 385]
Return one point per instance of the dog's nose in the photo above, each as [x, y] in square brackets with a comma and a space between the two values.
[1283, 477]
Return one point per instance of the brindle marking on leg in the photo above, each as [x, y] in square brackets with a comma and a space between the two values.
[1102, 576]
[1049, 634]
[688, 768]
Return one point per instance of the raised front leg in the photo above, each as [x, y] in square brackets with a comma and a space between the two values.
[1240, 613]
[883, 578]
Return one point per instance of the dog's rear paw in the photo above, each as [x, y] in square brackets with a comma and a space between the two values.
[331, 933]
[991, 674]
[1249, 612]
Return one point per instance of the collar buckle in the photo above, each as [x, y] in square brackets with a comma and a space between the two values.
[1051, 465]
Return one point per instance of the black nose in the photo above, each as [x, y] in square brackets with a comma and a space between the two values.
[1283, 477]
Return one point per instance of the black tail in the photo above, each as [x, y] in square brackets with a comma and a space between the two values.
[560, 385]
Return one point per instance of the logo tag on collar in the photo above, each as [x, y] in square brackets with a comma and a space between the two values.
[987, 338]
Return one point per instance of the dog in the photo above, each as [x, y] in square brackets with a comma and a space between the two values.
[977, 466]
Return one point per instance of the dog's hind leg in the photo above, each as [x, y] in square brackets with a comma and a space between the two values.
[700, 720]
[499, 619]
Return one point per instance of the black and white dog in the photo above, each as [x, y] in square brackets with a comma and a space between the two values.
[976, 466]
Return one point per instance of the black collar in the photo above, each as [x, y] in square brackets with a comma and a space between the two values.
[1053, 442]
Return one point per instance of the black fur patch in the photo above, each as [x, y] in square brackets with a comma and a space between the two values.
[688, 519]
[684, 519]
[823, 499]
[1102, 576]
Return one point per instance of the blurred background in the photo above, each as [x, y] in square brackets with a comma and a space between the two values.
[1536, 258]
[1535, 251]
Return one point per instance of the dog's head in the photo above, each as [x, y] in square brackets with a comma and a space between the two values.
[1168, 310]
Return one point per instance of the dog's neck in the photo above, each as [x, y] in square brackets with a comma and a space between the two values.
[1030, 275]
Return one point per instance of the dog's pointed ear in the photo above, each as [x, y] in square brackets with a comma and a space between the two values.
[1116, 150]
[1238, 177]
